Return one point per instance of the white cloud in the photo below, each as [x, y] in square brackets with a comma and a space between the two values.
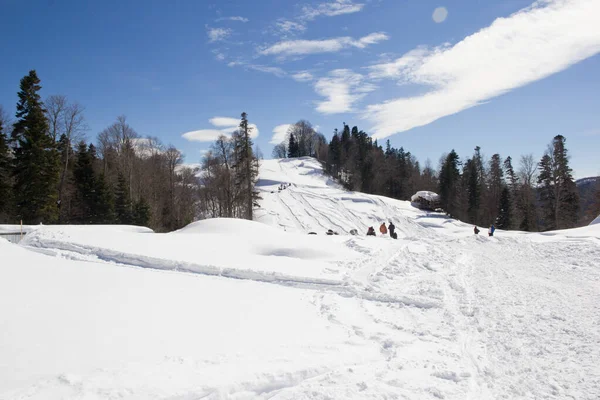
[303, 76]
[342, 88]
[440, 14]
[217, 34]
[279, 133]
[228, 126]
[303, 47]
[224, 121]
[331, 9]
[262, 68]
[238, 19]
[203, 135]
[269, 70]
[532, 44]
[286, 27]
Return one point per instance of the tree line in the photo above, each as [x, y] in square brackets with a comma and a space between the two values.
[49, 174]
[534, 196]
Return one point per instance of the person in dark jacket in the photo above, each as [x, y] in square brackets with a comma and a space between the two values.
[371, 231]
[476, 230]
[392, 229]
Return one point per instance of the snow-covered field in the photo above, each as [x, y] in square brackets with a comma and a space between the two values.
[227, 309]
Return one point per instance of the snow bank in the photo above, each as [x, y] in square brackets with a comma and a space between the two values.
[78, 228]
[225, 247]
[596, 221]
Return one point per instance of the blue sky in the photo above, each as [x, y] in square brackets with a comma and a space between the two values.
[506, 75]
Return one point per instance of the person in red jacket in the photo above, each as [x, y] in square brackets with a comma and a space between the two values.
[383, 229]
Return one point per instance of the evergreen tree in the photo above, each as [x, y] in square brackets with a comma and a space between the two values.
[293, 147]
[246, 166]
[85, 185]
[334, 157]
[141, 212]
[5, 184]
[494, 189]
[471, 182]
[36, 162]
[504, 213]
[104, 207]
[123, 209]
[546, 192]
[513, 189]
[449, 183]
[558, 193]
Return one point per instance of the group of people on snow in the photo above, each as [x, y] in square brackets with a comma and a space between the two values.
[490, 230]
[384, 230]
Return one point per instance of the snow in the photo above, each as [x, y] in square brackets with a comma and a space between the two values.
[596, 221]
[230, 309]
[425, 194]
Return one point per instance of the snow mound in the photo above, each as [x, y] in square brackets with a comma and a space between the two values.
[596, 221]
[424, 194]
[224, 247]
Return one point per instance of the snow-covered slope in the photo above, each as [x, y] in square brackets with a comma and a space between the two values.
[312, 202]
[596, 221]
[227, 309]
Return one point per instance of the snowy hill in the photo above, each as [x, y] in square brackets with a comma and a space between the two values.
[230, 309]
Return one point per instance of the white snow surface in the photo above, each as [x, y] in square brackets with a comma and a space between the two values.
[425, 194]
[596, 221]
[229, 309]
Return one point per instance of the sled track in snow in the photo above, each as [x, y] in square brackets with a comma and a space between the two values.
[341, 288]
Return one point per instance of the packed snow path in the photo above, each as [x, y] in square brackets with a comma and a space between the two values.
[437, 314]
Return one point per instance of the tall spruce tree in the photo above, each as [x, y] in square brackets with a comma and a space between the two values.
[504, 212]
[293, 147]
[5, 183]
[104, 203]
[85, 185]
[36, 161]
[123, 207]
[247, 167]
[558, 193]
[141, 212]
[449, 183]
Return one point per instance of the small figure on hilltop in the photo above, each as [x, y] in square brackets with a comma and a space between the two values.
[491, 230]
[392, 229]
[476, 230]
[383, 229]
[371, 231]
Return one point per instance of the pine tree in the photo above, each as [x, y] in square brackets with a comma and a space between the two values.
[85, 185]
[141, 212]
[449, 183]
[334, 157]
[123, 209]
[293, 147]
[504, 213]
[558, 193]
[36, 162]
[494, 189]
[104, 207]
[246, 166]
[546, 192]
[5, 184]
[473, 186]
